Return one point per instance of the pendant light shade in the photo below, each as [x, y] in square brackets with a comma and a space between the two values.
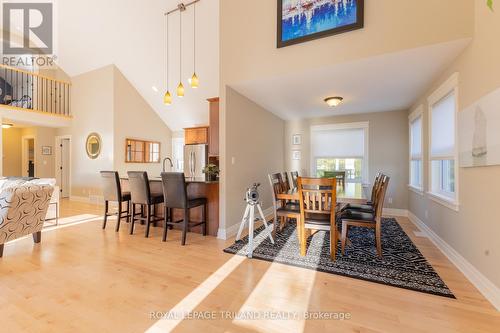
[195, 83]
[180, 90]
[167, 98]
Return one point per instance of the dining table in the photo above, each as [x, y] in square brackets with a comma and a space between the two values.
[355, 193]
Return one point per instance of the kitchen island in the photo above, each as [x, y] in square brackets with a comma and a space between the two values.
[196, 188]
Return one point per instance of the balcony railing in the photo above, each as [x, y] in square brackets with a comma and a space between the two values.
[20, 89]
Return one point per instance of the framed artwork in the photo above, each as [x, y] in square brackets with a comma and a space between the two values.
[296, 155]
[479, 128]
[297, 139]
[304, 20]
[46, 150]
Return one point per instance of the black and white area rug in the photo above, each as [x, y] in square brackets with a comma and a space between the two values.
[402, 264]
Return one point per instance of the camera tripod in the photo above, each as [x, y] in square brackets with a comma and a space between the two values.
[249, 216]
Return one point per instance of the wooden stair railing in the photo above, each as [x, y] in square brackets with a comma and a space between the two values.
[24, 90]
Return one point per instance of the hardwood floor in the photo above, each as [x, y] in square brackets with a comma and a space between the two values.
[83, 279]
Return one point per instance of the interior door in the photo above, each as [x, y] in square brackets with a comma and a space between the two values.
[65, 167]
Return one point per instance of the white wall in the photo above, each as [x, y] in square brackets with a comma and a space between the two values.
[474, 230]
[92, 105]
[255, 143]
[134, 118]
[388, 148]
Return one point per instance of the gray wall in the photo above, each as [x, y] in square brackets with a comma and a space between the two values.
[388, 148]
[254, 139]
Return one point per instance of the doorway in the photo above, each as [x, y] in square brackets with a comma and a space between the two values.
[28, 156]
[63, 165]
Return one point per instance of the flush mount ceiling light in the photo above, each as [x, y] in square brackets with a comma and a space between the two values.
[333, 101]
[7, 125]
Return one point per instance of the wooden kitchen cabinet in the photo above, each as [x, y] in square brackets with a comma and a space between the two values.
[213, 147]
[196, 135]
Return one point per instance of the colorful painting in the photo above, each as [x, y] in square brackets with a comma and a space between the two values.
[479, 132]
[304, 20]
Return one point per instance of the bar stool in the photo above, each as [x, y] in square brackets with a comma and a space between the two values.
[175, 195]
[112, 191]
[140, 193]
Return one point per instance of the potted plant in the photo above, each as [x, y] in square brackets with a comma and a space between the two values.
[212, 171]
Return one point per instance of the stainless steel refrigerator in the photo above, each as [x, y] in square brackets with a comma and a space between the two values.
[195, 159]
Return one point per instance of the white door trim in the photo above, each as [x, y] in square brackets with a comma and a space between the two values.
[57, 173]
[24, 155]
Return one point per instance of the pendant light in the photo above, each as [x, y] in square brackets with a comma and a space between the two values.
[167, 98]
[194, 79]
[180, 87]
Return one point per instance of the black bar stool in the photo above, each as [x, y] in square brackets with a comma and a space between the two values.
[175, 193]
[112, 191]
[140, 193]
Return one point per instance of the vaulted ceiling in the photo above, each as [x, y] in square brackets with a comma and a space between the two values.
[131, 34]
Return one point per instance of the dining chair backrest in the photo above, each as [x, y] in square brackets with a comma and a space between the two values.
[276, 185]
[174, 189]
[140, 191]
[380, 197]
[376, 184]
[111, 187]
[285, 182]
[294, 175]
[317, 196]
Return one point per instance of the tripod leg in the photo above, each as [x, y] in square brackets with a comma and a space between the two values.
[243, 221]
[268, 228]
[251, 222]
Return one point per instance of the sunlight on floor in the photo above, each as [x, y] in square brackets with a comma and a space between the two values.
[277, 300]
[191, 301]
[63, 223]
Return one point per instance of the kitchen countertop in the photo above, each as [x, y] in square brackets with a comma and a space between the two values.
[188, 180]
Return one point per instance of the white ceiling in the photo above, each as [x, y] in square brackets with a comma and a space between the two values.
[131, 34]
[383, 83]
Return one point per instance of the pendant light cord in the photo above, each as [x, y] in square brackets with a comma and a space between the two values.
[180, 46]
[167, 49]
[194, 37]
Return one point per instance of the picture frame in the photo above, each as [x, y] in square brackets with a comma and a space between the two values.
[46, 150]
[291, 30]
[296, 139]
[296, 155]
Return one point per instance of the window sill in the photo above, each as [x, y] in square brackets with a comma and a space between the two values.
[444, 201]
[418, 190]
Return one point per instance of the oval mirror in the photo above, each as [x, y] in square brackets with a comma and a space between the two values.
[93, 145]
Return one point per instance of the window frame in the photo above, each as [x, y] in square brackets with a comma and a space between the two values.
[450, 86]
[365, 125]
[414, 116]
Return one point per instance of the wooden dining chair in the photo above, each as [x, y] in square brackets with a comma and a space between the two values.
[354, 218]
[285, 182]
[318, 201]
[294, 175]
[367, 207]
[282, 210]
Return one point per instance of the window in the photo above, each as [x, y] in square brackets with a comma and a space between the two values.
[443, 167]
[140, 151]
[340, 147]
[416, 153]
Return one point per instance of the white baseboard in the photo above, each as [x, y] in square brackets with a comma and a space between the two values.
[395, 212]
[489, 290]
[226, 233]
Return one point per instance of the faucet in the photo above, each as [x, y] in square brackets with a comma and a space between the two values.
[167, 159]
